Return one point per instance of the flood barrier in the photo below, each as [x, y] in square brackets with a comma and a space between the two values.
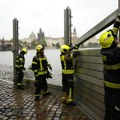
[89, 90]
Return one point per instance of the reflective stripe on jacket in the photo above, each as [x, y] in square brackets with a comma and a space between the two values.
[67, 66]
[113, 67]
[111, 60]
[39, 65]
[20, 61]
[112, 85]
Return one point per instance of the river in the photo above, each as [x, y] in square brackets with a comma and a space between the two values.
[53, 56]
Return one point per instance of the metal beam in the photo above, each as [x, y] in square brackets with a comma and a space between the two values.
[67, 26]
[98, 28]
[15, 47]
[118, 3]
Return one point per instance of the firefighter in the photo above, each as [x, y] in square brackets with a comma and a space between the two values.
[40, 68]
[110, 53]
[20, 62]
[67, 74]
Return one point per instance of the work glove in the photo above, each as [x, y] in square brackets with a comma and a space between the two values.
[118, 17]
[76, 53]
[70, 44]
[24, 70]
[50, 67]
[48, 75]
[76, 47]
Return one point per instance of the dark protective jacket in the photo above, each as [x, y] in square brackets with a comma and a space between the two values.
[67, 65]
[40, 65]
[20, 62]
[111, 60]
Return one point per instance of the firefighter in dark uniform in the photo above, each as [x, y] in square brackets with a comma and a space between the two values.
[40, 68]
[110, 52]
[20, 62]
[67, 75]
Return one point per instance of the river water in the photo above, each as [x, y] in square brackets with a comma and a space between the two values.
[53, 57]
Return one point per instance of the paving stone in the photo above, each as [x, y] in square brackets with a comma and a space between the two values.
[20, 105]
[1, 116]
[5, 118]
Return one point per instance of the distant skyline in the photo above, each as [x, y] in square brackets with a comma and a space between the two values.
[49, 16]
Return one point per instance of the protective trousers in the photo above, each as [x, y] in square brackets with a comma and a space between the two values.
[20, 76]
[41, 84]
[112, 104]
[67, 88]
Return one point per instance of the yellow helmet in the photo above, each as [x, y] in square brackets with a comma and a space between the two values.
[64, 49]
[106, 39]
[38, 48]
[24, 50]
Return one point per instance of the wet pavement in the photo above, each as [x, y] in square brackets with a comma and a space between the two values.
[20, 105]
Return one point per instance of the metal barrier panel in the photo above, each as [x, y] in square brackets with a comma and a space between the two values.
[89, 91]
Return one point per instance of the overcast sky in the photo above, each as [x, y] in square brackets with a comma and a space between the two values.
[49, 15]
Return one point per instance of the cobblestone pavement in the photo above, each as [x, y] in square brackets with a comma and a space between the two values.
[20, 105]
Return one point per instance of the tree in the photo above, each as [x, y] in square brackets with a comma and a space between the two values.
[43, 42]
[34, 43]
[53, 44]
[57, 45]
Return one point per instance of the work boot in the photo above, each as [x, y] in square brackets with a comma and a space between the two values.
[71, 104]
[47, 93]
[20, 87]
[63, 100]
[83, 117]
[64, 97]
[37, 98]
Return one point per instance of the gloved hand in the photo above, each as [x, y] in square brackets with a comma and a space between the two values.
[76, 47]
[118, 17]
[50, 67]
[48, 75]
[70, 44]
[76, 53]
